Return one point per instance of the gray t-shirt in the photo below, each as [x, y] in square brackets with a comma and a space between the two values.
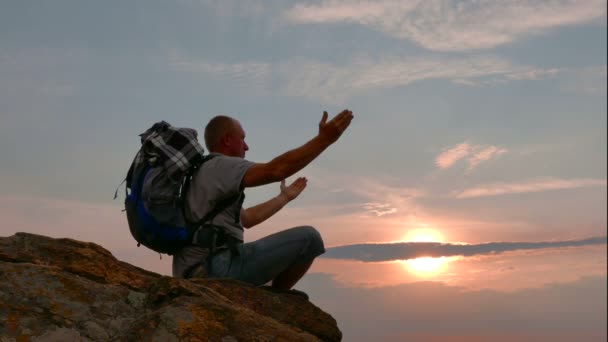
[218, 179]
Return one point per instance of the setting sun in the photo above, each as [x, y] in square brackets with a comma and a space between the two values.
[425, 266]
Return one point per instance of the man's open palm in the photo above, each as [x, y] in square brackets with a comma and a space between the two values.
[294, 189]
[333, 129]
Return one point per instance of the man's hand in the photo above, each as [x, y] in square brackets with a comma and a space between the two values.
[294, 189]
[255, 215]
[333, 129]
[290, 162]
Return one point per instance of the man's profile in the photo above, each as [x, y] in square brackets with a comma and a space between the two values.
[215, 198]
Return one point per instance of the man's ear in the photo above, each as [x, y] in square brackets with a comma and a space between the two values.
[226, 140]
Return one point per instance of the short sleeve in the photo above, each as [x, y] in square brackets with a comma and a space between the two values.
[218, 179]
[228, 173]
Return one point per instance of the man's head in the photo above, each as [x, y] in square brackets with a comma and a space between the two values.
[225, 135]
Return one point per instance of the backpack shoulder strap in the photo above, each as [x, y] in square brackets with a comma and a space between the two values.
[221, 206]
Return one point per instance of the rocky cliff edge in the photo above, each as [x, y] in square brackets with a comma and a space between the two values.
[68, 290]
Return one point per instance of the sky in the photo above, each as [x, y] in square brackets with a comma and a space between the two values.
[466, 201]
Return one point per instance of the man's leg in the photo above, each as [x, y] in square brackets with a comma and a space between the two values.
[288, 278]
[283, 258]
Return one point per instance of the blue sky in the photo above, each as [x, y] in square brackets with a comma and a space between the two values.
[475, 122]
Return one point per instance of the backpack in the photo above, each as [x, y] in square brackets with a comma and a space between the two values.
[157, 184]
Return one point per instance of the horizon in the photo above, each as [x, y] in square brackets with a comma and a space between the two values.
[465, 202]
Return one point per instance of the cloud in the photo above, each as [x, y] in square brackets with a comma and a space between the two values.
[379, 209]
[382, 199]
[530, 74]
[248, 74]
[508, 272]
[449, 25]
[590, 80]
[411, 250]
[335, 83]
[485, 154]
[532, 186]
[533, 74]
[449, 156]
[475, 154]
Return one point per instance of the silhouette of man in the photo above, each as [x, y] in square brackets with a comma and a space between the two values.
[283, 257]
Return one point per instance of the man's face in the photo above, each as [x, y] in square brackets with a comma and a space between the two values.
[238, 146]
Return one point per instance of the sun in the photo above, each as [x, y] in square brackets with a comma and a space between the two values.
[425, 266]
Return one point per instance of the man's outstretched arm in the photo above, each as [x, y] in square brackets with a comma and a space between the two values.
[293, 161]
[257, 214]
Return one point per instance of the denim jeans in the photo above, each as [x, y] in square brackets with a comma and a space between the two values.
[260, 261]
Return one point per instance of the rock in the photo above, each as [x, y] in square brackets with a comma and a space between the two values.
[68, 290]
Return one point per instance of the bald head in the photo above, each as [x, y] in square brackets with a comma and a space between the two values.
[217, 128]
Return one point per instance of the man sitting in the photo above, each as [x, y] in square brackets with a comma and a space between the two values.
[219, 184]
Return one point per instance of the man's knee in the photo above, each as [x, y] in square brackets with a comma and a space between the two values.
[316, 246]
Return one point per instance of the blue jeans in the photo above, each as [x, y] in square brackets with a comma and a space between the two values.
[260, 261]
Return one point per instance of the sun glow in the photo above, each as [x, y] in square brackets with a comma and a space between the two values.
[425, 266]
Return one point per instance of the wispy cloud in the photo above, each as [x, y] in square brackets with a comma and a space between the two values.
[388, 202]
[335, 83]
[249, 74]
[450, 25]
[385, 199]
[379, 209]
[530, 74]
[530, 186]
[449, 156]
[474, 154]
[331, 82]
[484, 154]
[533, 74]
[411, 250]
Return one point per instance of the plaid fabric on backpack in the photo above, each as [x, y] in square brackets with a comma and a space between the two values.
[157, 182]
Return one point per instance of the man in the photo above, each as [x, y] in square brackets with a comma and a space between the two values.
[282, 258]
